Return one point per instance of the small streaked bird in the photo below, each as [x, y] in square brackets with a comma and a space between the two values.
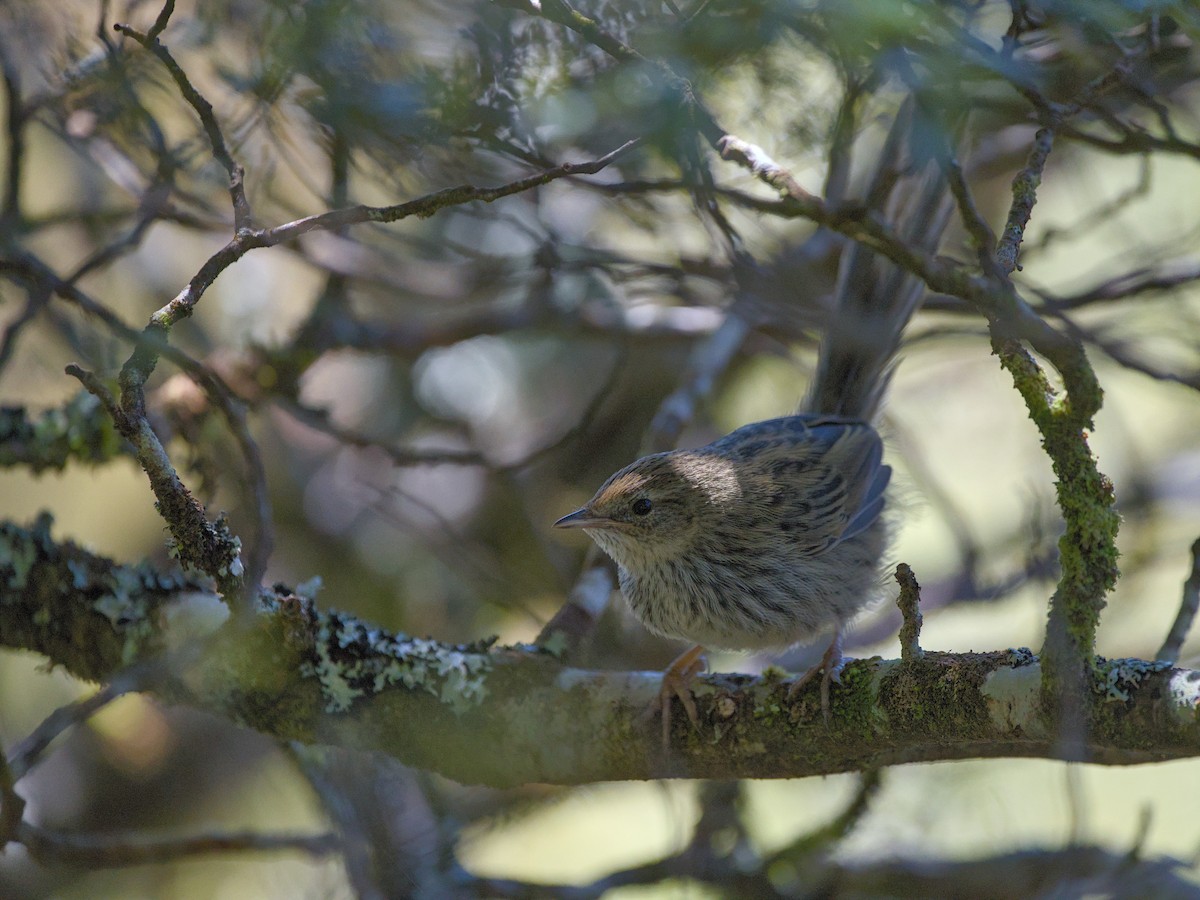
[764, 538]
[772, 534]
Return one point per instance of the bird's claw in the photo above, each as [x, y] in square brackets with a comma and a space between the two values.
[830, 667]
[676, 682]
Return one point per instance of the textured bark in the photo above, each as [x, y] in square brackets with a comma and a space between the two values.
[504, 716]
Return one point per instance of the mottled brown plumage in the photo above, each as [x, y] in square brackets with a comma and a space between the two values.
[759, 540]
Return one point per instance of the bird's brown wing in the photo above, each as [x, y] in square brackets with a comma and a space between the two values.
[815, 480]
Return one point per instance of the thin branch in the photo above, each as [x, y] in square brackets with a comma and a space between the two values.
[237, 190]
[26, 754]
[841, 140]
[37, 296]
[977, 227]
[225, 564]
[1128, 284]
[709, 359]
[1002, 306]
[160, 23]
[400, 456]
[1169, 652]
[1024, 191]
[16, 112]
[12, 806]
[426, 206]
[1010, 876]
[115, 850]
[1117, 352]
[154, 201]
[826, 837]
[1026, 182]
[1133, 142]
[139, 367]
[562, 13]
[207, 547]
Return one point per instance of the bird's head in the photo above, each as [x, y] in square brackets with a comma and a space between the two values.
[656, 508]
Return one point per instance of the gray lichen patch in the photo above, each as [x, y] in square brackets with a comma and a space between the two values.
[21, 550]
[354, 660]
[1116, 679]
[78, 430]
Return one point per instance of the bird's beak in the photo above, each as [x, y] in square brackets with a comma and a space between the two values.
[582, 518]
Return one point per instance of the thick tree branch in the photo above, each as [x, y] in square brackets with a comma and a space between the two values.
[515, 714]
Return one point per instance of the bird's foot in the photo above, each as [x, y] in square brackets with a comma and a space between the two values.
[677, 683]
[830, 666]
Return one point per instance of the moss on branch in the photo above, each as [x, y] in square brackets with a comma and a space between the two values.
[515, 714]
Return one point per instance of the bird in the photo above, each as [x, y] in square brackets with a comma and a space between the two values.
[757, 541]
[775, 533]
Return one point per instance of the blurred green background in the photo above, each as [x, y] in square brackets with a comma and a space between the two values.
[542, 332]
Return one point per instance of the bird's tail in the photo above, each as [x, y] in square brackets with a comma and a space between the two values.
[875, 298]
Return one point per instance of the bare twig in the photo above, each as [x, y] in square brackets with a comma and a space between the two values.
[825, 837]
[708, 361]
[12, 806]
[26, 754]
[562, 13]
[37, 296]
[1128, 284]
[1169, 652]
[909, 602]
[209, 548]
[401, 456]
[149, 344]
[1026, 182]
[112, 850]
[150, 209]
[977, 227]
[237, 190]
[160, 23]
[422, 207]
[1133, 142]
[1024, 190]
[10, 204]
[1118, 353]
[841, 140]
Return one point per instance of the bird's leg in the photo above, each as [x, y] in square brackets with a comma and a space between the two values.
[677, 682]
[831, 665]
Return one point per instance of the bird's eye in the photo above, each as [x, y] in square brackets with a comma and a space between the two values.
[642, 505]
